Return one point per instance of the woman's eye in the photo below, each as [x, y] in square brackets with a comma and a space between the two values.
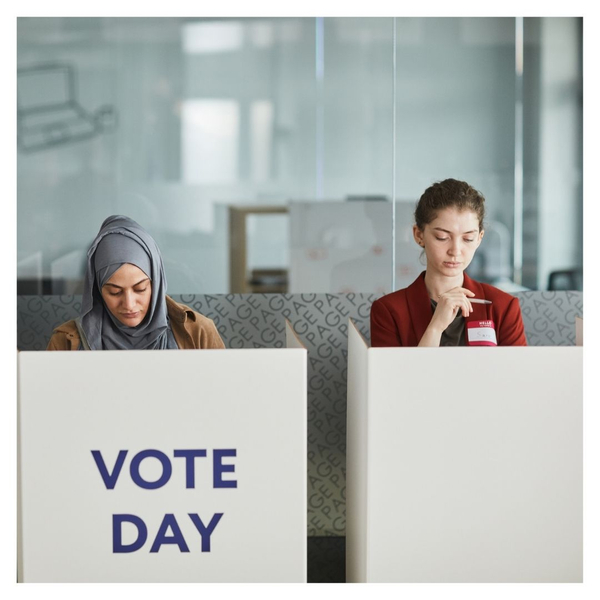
[440, 239]
[140, 291]
[467, 240]
[114, 293]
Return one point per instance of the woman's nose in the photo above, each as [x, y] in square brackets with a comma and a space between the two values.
[454, 249]
[128, 300]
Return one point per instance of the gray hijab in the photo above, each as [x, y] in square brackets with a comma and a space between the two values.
[121, 240]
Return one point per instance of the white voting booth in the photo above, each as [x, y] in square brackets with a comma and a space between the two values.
[164, 466]
[464, 464]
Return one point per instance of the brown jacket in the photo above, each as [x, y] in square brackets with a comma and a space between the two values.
[190, 329]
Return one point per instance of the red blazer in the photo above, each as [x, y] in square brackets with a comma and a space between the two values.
[401, 318]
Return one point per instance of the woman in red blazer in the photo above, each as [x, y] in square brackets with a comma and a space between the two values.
[436, 310]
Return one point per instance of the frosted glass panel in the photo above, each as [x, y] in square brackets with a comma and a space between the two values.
[455, 107]
[182, 122]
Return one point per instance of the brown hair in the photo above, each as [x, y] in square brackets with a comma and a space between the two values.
[445, 194]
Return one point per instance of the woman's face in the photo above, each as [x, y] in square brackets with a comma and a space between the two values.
[450, 241]
[127, 295]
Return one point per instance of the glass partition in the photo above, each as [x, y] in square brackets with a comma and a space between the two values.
[286, 154]
[553, 153]
[456, 119]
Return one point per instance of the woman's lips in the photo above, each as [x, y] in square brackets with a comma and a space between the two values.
[130, 315]
[452, 265]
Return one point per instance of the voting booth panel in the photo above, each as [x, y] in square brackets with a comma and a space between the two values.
[321, 320]
[357, 470]
[162, 466]
[464, 464]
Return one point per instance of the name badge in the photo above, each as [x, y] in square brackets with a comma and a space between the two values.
[481, 333]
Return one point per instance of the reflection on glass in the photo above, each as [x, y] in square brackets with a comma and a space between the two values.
[212, 37]
[261, 140]
[210, 141]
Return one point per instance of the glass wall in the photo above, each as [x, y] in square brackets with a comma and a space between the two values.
[552, 153]
[456, 118]
[286, 154]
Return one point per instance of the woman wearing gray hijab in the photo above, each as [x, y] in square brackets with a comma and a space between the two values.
[124, 305]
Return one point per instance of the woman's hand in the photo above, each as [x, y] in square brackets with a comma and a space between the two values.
[448, 305]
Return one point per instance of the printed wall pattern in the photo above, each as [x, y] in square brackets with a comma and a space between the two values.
[321, 322]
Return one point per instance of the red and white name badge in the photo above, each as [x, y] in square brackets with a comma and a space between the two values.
[481, 333]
